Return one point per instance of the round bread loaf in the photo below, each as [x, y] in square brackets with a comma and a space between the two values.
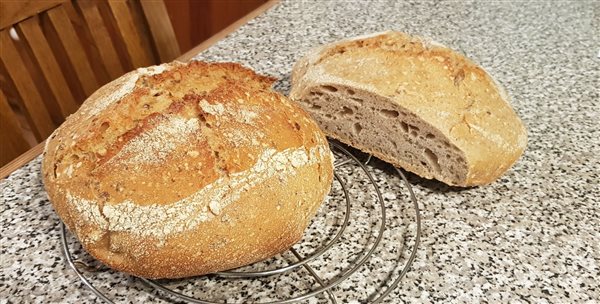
[185, 169]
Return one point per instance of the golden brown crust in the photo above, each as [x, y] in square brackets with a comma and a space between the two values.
[441, 87]
[186, 169]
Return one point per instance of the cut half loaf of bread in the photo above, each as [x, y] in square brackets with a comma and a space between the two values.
[413, 103]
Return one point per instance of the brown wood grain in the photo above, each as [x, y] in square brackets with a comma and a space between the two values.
[161, 30]
[15, 142]
[32, 100]
[136, 48]
[142, 27]
[102, 39]
[12, 12]
[32, 32]
[226, 31]
[22, 160]
[75, 50]
[180, 16]
[195, 21]
[224, 13]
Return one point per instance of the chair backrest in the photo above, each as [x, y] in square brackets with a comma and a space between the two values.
[55, 53]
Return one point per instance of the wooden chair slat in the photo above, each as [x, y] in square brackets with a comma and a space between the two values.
[60, 54]
[74, 49]
[139, 56]
[38, 115]
[38, 81]
[32, 32]
[14, 143]
[12, 12]
[161, 29]
[75, 14]
[143, 29]
[100, 35]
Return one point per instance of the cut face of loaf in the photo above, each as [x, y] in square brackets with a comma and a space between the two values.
[387, 130]
[415, 104]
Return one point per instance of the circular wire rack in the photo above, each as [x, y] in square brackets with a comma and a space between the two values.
[322, 287]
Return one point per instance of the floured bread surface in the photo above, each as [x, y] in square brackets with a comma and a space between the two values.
[185, 169]
[414, 103]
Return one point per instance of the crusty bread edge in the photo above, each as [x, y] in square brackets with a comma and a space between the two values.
[301, 85]
[290, 238]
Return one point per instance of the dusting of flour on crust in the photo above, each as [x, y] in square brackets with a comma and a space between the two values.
[126, 86]
[216, 109]
[161, 221]
[155, 145]
[246, 116]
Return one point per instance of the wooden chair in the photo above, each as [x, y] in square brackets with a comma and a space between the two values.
[55, 53]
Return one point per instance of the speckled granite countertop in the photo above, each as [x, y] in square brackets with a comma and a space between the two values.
[532, 236]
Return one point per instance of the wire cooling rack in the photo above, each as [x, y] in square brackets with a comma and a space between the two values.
[354, 249]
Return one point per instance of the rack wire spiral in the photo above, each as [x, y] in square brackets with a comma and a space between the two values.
[324, 287]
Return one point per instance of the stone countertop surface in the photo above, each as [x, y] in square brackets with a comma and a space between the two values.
[531, 236]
